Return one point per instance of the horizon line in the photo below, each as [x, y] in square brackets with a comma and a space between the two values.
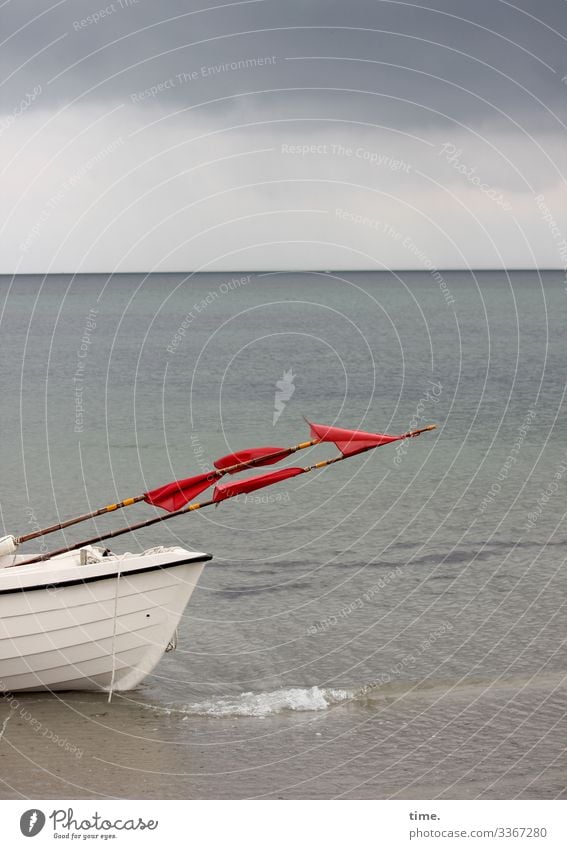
[280, 271]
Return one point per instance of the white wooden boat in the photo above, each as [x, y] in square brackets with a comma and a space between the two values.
[87, 620]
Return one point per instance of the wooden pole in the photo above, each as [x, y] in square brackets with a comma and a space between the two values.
[215, 475]
[192, 507]
[68, 522]
[111, 534]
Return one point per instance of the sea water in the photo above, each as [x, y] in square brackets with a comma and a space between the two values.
[392, 626]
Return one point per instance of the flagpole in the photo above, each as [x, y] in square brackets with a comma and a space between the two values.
[111, 534]
[214, 474]
[76, 519]
[200, 504]
[209, 478]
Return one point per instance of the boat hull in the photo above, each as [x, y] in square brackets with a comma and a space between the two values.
[100, 626]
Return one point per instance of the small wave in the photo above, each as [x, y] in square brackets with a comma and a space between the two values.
[266, 704]
[371, 696]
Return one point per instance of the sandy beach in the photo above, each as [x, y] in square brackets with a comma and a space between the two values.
[483, 740]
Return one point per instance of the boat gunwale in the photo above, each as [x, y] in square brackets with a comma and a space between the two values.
[123, 573]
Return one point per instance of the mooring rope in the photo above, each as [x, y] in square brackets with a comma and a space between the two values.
[114, 636]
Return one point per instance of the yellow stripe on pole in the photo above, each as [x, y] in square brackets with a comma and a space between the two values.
[306, 444]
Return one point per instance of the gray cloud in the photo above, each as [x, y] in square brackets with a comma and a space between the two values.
[428, 64]
[180, 86]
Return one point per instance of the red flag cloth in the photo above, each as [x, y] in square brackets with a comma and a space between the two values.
[348, 449]
[249, 454]
[173, 496]
[350, 442]
[229, 490]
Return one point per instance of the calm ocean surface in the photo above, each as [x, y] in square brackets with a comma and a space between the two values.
[393, 626]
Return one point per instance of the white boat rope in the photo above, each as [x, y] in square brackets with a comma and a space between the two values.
[114, 636]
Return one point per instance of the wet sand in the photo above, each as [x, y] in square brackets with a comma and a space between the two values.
[482, 740]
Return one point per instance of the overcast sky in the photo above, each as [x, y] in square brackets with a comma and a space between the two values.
[268, 134]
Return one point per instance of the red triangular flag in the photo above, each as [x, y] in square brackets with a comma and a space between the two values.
[173, 496]
[348, 449]
[249, 454]
[350, 442]
[229, 490]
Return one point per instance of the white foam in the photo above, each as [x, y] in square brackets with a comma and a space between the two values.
[265, 704]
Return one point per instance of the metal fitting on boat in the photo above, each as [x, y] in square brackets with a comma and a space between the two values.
[8, 545]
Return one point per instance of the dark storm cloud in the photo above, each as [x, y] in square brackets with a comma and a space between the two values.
[403, 64]
[281, 133]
